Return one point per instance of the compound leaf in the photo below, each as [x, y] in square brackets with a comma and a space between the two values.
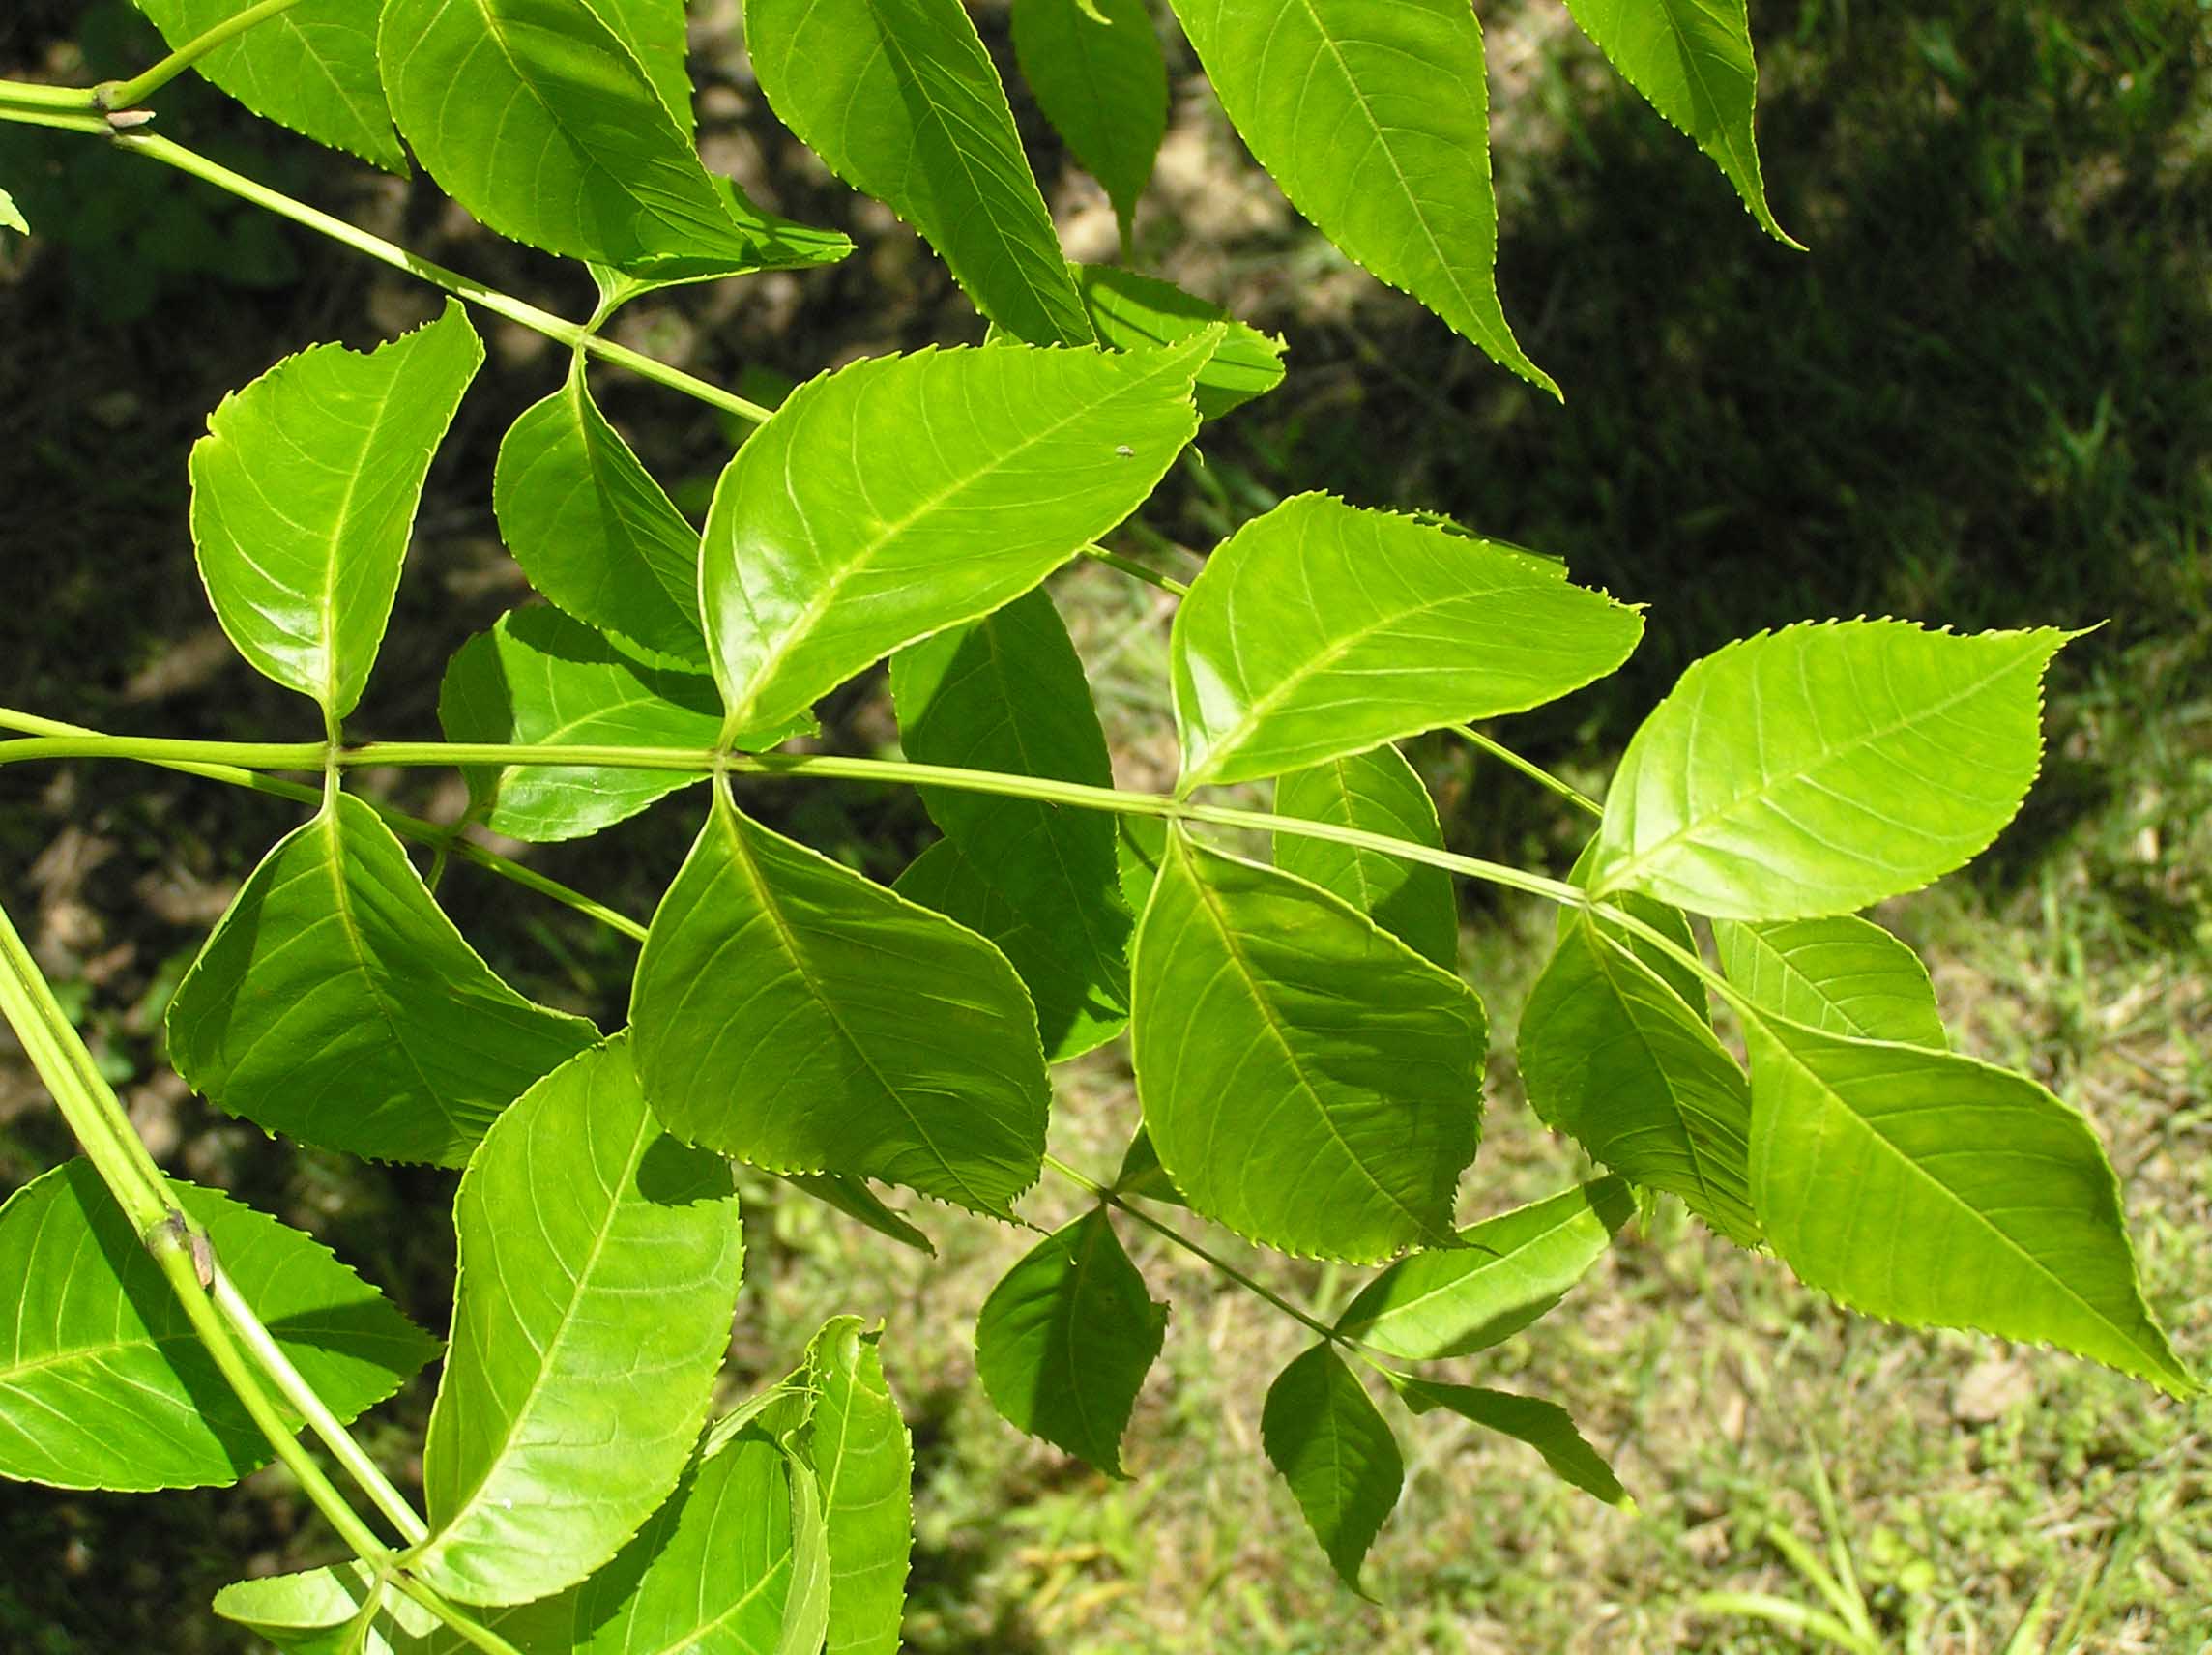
[902, 495]
[303, 493]
[1099, 77]
[1845, 974]
[1377, 792]
[1544, 1426]
[1133, 311]
[1508, 1272]
[539, 677]
[856, 1442]
[335, 1003]
[312, 68]
[599, 1270]
[901, 100]
[1816, 770]
[1335, 1450]
[794, 1014]
[1375, 120]
[1321, 629]
[103, 1383]
[1269, 1012]
[1938, 1191]
[1065, 1339]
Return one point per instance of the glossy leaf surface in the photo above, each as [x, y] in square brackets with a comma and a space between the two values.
[1509, 1271]
[856, 1442]
[599, 1270]
[1065, 1339]
[1845, 974]
[1544, 1426]
[1134, 313]
[318, 1610]
[902, 495]
[304, 495]
[1336, 1452]
[1269, 1012]
[1818, 769]
[541, 678]
[1375, 120]
[655, 32]
[798, 1016]
[103, 1383]
[1377, 792]
[901, 100]
[1321, 629]
[1097, 73]
[765, 240]
[335, 1003]
[1938, 1191]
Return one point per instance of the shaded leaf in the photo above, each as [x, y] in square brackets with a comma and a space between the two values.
[304, 495]
[1099, 75]
[658, 36]
[851, 1197]
[857, 1444]
[1321, 629]
[1132, 313]
[335, 1003]
[1845, 974]
[1143, 1175]
[1269, 1012]
[1336, 1452]
[1140, 844]
[1377, 792]
[1671, 922]
[103, 1384]
[1544, 1426]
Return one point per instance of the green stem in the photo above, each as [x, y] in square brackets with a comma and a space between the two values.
[68, 120]
[1534, 772]
[128, 94]
[1129, 565]
[469, 1630]
[32, 95]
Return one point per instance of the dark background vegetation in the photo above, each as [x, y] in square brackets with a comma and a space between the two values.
[1984, 398]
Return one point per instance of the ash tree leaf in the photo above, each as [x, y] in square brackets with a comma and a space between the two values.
[1140, 844]
[539, 677]
[312, 68]
[1508, 1272]
[798, 1016]
[1007, 693]
[658, 36]
[1375, 120]
[1267, 1012]
[1377, 792]
[1845, 974]
[1671, 922]
[537, 118]
[901, 100]
[1332, 1446]
[335, 1003]
[1816, 770]
[592, 528]
[771, 242]
[1692, 61]
[12, 216]
[599, 1270]
[1132, 313]
[1544, 1426]
[1943, 1192]
[851, 1197]
[303, 494]
[1099, 75]
[319, 1611]
[1321, 629]
[103, 1383]
[1616, 1060]
[902, 495]
[1065, 1339]
[857, 1442]
[1143, 1175]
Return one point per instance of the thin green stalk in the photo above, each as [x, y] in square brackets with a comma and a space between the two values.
[155, 749]
[1534, 772]
[34, 95]
[65, 119]
[128, 94]
[469, 1630]
[1129, 565]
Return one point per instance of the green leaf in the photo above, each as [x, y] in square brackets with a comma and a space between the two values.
[335, 1003]
[847, 526]
[1614, 1058]
[12, 216]
[1337, 1453]
[1544, 1426]
[317, 1612]
[536, 117]
[1692, 61]
[1065, 1339]
[1099, 75]
[770, 242]
[658, 36]
[1938, 1191]
[1508, 1272]
[312, 68]
[1140, 844]
[599, 1269]
[1377, 792]
[1269, 1012]
[303, 493]
[1375, 120]
[103, 1384]
[1845, 974]
[1320, 630]
[794, 1014]
[857, 1444]
[1133, 312]
[1007, 693]
[592, 528]
[539, 677]
[1143, 1175]
[901, 100]
[853, 1197]
[1671, 922]
[1881, 757]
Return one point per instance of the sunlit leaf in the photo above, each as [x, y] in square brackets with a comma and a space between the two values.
[12, 216]
[1141, 1173]
[1133, 312]
[857, 1444]
[319, 1613]
[1670, 922]
[658, 36]
[1544, 1426]
[303, 494]
[1845, 974]
[767, 241]
[1336, 1452]
[335, 1003]
[1377, 792]
[1099, 75]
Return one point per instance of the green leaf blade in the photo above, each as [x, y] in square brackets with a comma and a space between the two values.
[1333, 1447]
[856, 1442]
[1135, 312]
[303, 494]
[1099, 77]
[1375, 792]
[1544, 1426]
[1842, 975]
